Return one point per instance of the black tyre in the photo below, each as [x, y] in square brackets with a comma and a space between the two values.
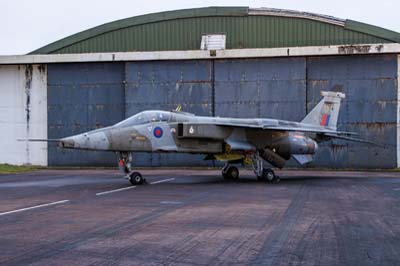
[269, 175]
[136, 178]
[233, 172]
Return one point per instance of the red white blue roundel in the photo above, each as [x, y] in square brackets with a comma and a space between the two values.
[157, 132]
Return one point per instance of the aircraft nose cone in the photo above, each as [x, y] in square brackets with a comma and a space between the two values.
[95, 140]
[67, 143]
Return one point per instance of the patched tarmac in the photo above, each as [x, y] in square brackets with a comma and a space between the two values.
[193, 217]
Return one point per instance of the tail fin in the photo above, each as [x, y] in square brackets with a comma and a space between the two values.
[326, 112]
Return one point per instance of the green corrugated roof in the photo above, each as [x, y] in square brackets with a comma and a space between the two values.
[244, 28]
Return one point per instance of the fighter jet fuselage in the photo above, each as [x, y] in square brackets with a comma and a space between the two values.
[162, 131]
[233, 140]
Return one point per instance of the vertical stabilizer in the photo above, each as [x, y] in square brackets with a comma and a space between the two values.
[326, 112]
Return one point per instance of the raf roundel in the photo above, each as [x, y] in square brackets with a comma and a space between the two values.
[157, 132]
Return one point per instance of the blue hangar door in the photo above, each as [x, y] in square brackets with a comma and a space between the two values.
[86, 96]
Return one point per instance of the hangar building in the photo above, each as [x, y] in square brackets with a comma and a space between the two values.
[254, 62]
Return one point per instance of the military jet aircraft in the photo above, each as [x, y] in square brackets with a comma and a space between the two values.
[232, 140]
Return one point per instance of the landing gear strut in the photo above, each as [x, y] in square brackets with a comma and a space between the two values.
[230, 172]
[125, 166]
[263, 174]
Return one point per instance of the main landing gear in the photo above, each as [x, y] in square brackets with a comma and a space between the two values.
[125, 160]
[263, 174]
[230, 172]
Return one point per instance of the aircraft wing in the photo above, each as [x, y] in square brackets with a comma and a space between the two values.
[211, 130]
[344, 137]
[308, 130]
[280, 127]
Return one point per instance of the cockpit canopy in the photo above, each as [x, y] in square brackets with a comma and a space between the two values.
[144, 118]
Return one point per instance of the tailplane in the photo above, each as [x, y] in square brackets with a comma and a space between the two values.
[326, 112]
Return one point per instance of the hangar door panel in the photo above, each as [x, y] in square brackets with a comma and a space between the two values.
[269, 87]
[261, 88]
[164, 85]
[370, 85]
[83, 97]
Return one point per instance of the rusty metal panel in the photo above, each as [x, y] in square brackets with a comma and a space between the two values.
[83, 97]
[271, 87]
[164, 85]
[370, 108]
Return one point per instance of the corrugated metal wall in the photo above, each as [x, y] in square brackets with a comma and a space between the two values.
[83, 95]
[241, 32]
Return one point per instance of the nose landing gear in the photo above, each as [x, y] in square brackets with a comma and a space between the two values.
[124, 164]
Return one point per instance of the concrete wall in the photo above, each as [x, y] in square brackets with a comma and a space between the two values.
[398, 112]
[23, 114]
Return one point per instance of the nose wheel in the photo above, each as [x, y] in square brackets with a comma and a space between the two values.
[136, 178]
[125, 166]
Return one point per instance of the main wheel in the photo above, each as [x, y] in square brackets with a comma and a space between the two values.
[269, 174]
[230, 172]
[136, 178]
[233, 172]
